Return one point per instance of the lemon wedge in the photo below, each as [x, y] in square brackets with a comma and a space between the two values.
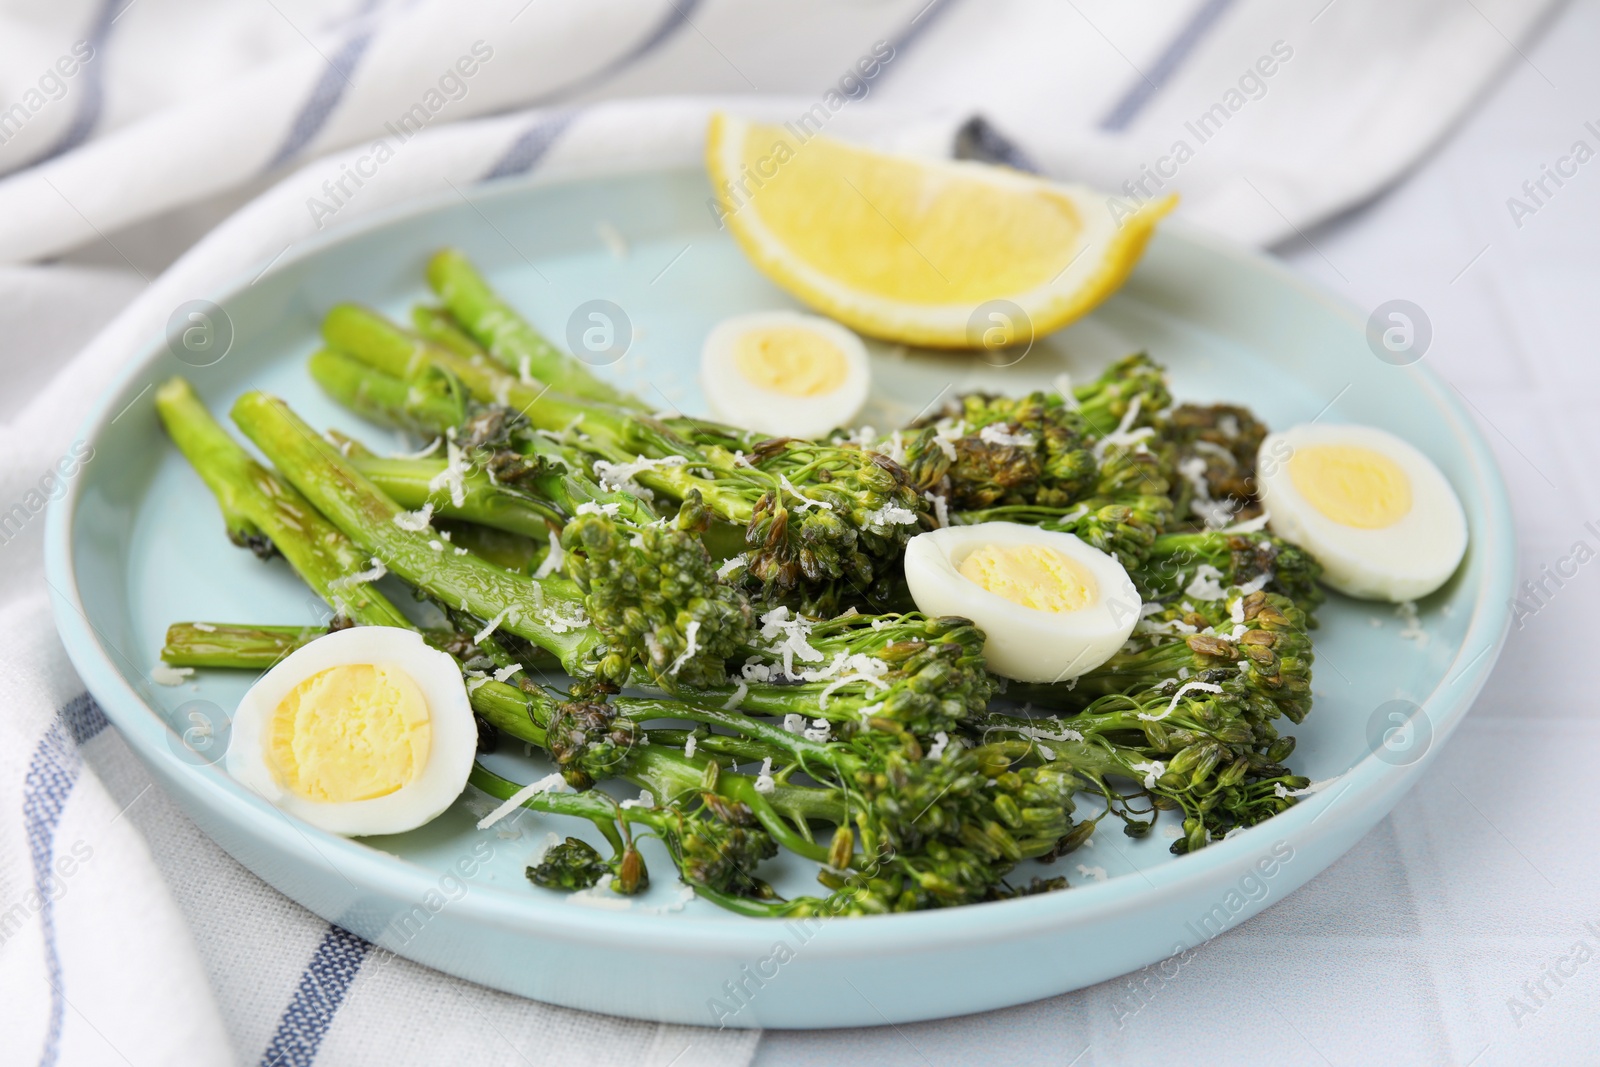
[939, 253]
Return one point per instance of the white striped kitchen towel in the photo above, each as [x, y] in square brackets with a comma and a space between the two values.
[1269, 115]
[126, 935]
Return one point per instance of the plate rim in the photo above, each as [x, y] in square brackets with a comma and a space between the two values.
[370, 870]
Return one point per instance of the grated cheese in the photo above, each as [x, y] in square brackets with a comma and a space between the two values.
[1205, 585]
[414, 521]
[1410, 623]
[600, 895]
[1152, 769]
[764, 782]
[1280, 790]
[1214, 513]
[995, 435]
[1204, 687]
[454, 474]
[1123, 434]
[433, 446]
[678, 903]
[645, 799]
[492, 625]
[891, 515]
[550, 783]
[619, 476]
[691, 633]
[1249, 525]
[554, 560]
[378, 570]
[164, 674]
[805, 502]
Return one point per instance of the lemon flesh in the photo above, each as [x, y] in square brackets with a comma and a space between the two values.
[912, 250]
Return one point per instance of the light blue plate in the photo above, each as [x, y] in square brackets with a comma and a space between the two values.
[137, 543]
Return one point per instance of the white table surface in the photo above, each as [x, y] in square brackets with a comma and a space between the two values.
[1411, 948]
[1408, 949]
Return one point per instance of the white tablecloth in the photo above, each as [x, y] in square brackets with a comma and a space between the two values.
[1428, 943]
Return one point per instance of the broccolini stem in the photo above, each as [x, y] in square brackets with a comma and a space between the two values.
[410, 482]
[615, 434]
[596, 807]
[258, 647]
[441, 327]
[523, 605]
[258, 504]
[224, 645]
[508, 337]
[384, 398]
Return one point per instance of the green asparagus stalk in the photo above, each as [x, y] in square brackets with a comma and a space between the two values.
[549, 612]
[508, 337]
[423, 483]
[425, 408]
[264, 512]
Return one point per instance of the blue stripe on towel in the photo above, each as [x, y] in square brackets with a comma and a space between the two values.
[316, 1000]
[92, 86]
[52, 773]
[1145, 87]
[920, 24]
[676, 17]
[530, 146]
[325, 96]
[524, 153]
[84, 719]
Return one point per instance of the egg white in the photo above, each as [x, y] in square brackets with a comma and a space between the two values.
[1023, 643]
[453, 739]
[1403, 561]
[737, 401]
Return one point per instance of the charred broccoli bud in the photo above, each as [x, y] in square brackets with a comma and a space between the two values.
[1263, 660]
[976, 833]
[923, 674]
[1134, 383]
[1175, 563]
[831, 513]
[721, 849]
[1216, 451]
[984, 451]
[656, 597]
[589, 741]
[569, 866]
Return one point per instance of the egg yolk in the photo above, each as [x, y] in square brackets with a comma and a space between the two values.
[1035, 576]
[790, 360]
[1352, 486]
[352, 732]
